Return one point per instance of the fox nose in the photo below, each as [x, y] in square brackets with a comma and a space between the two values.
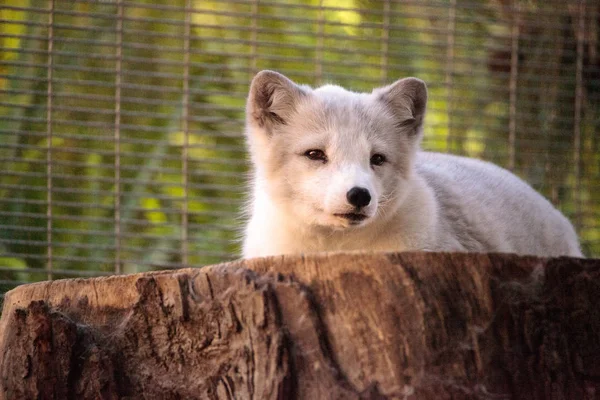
[358, 197]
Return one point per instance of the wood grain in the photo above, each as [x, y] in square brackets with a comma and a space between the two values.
[345, 326]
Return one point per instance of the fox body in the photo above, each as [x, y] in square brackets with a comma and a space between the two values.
[338, 170]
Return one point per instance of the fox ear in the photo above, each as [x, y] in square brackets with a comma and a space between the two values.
[272, 99]
[407, 98]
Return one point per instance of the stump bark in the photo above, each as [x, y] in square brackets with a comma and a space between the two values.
[330, 326]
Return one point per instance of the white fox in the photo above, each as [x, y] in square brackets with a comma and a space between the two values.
[337, 170]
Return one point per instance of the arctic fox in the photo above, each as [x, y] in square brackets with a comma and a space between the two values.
[338, 170]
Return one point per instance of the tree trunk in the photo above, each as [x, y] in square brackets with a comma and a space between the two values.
[337, 326]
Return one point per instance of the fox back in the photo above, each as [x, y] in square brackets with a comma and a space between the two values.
[339, 170]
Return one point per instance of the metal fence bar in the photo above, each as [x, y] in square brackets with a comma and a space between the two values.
[186, 132]
[514, 70]
[117, 133]
[319, 44]
[49, 140]
[385, 42]
[449, 75]
[253, 40]
[578, 112]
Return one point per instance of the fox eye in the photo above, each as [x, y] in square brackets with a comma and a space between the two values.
[378, 159]
[315, 155]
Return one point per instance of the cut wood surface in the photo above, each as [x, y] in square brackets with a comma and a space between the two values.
[328, 326]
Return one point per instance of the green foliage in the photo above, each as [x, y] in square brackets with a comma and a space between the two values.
[358, 44]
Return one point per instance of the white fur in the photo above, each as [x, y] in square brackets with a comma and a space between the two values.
[419, 200]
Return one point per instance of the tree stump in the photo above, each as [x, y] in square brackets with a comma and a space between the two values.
[329, 326]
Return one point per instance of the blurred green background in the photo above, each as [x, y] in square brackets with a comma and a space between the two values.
[122, 149]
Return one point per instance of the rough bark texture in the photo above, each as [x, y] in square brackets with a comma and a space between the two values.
[337, 326]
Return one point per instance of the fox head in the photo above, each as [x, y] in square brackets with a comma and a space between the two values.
[330, 157]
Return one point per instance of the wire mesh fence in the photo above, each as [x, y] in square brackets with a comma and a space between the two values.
[121, 121]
